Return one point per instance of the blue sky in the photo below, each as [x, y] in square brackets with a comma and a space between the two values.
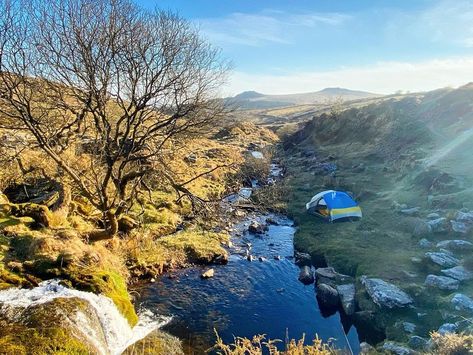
[300, 45]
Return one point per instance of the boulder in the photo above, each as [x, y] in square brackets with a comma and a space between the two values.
[302, 259]
[257, 228]
[397, 349]
[466, 217]
[306, 276]
[273, 221]
[441, 282]
[327, 296]
[347, 298]
[329, 276]
[418, 343]
[447, 328]
[442, 259]
[438, 225]
[460, 227]
[458, 273]
[208, 274]
[462, 302]
[456, 245]
[385, 294]
[157, 343]
[425, 243]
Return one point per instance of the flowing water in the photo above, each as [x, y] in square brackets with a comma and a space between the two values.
[247, 298]
[118, 334]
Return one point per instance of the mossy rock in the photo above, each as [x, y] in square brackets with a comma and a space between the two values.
[47, 329]
[156, 343]
[110, 284]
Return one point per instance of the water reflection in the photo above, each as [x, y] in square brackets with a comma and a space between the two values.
[246, 298]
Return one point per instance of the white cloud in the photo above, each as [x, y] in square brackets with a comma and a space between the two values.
[382, 77]
[264, 27]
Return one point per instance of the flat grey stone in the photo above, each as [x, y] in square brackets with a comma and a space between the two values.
[393, 348]
[447, 328]
[409, 327]
[385, 294]
[442, 282]
[458, 273]
[462, 302]
[410, 211]
[347, 297]
[466, 217]
[460, 227]
[442, 259]
[455, 245]
[438, 225]
[433, 215]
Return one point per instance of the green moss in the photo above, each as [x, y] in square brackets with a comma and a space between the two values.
[18, 340]
[197, 245]
[110, 284]
[156, 343]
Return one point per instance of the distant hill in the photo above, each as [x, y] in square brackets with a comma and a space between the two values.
[256, 100]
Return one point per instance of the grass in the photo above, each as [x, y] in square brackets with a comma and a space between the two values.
[259, 345]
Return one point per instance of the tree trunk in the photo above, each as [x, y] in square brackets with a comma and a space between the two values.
[109, 232]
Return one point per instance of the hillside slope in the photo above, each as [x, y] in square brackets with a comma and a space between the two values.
[408, 163]
[255, 100]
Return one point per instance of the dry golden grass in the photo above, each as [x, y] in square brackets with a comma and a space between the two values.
[452, 343]
[259, 345]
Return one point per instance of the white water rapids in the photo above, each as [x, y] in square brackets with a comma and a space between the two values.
[118, 333]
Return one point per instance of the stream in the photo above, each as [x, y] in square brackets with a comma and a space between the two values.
[246, 298]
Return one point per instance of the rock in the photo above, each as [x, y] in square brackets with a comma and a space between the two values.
[15, 266]
[409, 327]
[191, 158]
[418, 343]
[460, 227]
[257, 155]
[393, 348]
[329, 276]
[302, 259]
[422, 229]
[250, 257]
[306, 276]
[245, 192]
[157, 342]
[424, 243]
[347, 298]
[385, 294]
[456, 245]
[262, 259]
[433, 215]
[438, 225]
[239, 213]
[416, 260]
[278, 257]
[458, 273]
[366, 349]
[447, 328]
[442, 259]
[272, 221]
[257, 228]
[466, 217]
[462, 302]
[410, 211]
[208, 274]
[441, 282]
[327, 295]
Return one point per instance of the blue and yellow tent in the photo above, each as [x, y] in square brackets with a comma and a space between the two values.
[334, 205]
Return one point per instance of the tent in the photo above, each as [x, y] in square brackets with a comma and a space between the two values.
[334, 205]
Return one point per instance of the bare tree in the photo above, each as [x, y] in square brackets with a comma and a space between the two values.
[104, 88]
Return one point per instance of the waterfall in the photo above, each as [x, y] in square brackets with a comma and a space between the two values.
[118, 333]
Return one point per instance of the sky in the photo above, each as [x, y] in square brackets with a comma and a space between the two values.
[292, 46]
